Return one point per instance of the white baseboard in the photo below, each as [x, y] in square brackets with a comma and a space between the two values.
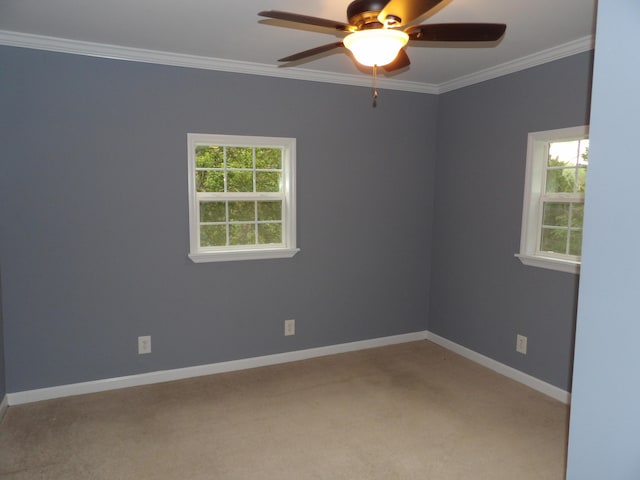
[4, 404]
[189, 372]
[532, 382]
[233, 365]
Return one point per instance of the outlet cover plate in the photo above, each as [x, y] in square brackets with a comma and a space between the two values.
[144, 344]
[289, 327]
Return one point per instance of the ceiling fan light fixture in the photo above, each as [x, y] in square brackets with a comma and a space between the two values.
[378, 46]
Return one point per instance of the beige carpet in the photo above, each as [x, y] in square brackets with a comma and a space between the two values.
[410, 411]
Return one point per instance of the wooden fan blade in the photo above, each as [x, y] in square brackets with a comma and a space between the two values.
[406, 10]
[307, 20]
[311, 52]
[457, 32]
[401, 61]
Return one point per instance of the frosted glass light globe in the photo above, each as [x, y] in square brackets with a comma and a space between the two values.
[379, 46]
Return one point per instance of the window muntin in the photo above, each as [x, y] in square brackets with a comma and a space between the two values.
[242, 197]
[553, 207]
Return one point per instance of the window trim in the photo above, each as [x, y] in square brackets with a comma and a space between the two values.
[535, 175]
[245, 252]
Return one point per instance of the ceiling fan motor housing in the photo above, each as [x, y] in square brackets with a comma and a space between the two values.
[364, 13]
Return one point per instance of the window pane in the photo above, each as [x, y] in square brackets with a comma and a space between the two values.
[270, 210]
[212, 212]
[242, 234]
[564, 153]
[242, 211]
[267, 181]
[582, 180]
[554, 240]
[577, 215]
[269, 233]
[561, 180]
[239, 181]
[269, 158]
[575, 242]
[213, 235]
[239, 157]
[209, 156]
[555, 214]
[209, 181]
[584, 152]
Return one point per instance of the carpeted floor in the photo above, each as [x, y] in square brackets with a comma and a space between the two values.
[409, 411]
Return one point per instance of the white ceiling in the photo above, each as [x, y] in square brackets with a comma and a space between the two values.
[229, 34]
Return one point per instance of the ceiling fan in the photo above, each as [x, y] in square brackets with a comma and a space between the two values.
[378, 31]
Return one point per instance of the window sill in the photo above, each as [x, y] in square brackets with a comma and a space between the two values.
[566, 266]
[204, 257]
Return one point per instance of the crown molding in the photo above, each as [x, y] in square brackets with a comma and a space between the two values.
[116, 52]
[556, 53]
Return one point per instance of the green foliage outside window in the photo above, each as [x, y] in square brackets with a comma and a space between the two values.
[236, 171]
[221, 169]
[562, 220]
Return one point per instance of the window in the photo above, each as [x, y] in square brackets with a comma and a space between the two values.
[553, 209]
[241, 197]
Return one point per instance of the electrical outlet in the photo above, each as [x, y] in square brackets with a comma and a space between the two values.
[521, 344]
[289, 327]
[144, 344]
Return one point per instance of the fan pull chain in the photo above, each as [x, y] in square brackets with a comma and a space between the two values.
[375, 86]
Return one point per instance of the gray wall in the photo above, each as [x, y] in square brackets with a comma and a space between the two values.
[3, 388]
[93, 204]
[603, 437]
[481, 295]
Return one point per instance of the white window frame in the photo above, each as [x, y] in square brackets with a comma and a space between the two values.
[535, 177]
[288, 247]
